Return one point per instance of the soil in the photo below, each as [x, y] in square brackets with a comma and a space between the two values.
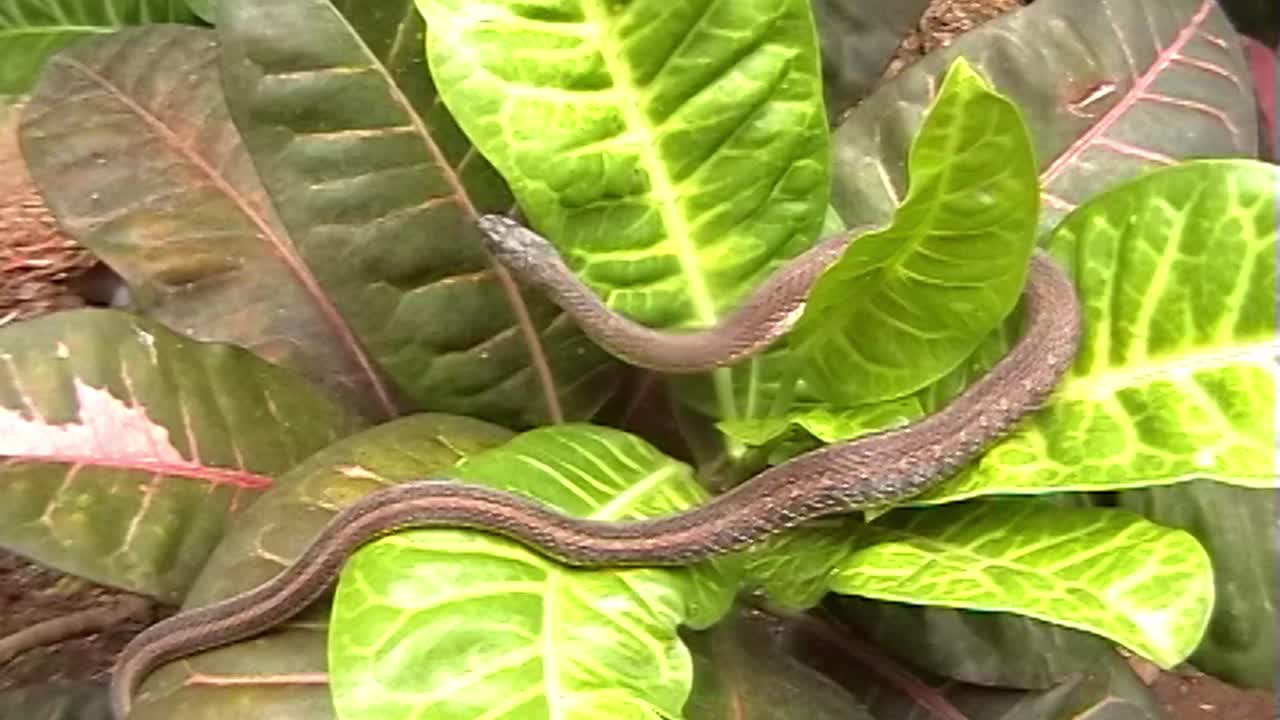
[39, 267]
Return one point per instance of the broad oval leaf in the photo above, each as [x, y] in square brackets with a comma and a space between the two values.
[380, 192]
[1093, 77]
[129, 139]
[56, 701]
[33, 30]
[995, 649]
[1110, 690]
[858, 39]
[281, 674]
[906, 304]
[1092, 569]
[206, 9]
[747, 669]
[1176, 375]
[457, 623]
[127, 447]
[676, 153]
[1238, 527]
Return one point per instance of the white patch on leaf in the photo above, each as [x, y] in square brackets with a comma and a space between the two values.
[108, 430]
[356, 471]
[1206, 458]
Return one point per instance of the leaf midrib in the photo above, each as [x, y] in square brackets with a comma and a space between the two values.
[1093, 385]
[283, 250]
[935, 546]
[662, 189]
[538, 360]
[58, 30]
[661, 186]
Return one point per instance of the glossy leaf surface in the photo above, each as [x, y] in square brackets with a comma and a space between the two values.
[1110, 88]
[858, 39]
[380, 191]
[128, 448]
[1090, 569]
[1238, 527]
[905, 305]
[33, 30]
[746, 668]
[457, 623]
[282, 674]
[1176, 376]
[158, 186]
[675, 153]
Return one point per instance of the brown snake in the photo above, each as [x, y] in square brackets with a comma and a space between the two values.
[871, 470]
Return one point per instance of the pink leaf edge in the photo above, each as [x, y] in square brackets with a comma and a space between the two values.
[110, 433]
[1262, 63]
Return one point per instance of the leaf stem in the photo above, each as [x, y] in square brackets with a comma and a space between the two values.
[786, 389]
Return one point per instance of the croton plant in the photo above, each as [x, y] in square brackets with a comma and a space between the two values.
[289, 189]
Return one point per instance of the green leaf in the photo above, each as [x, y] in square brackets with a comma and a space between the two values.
[33, 30]
[1105, 571]
[771, 441]
[1110, 690]
[128, 448]
[1237, 526]
[826, 424]
[1176, 376]
[676, 153]
[747, 669]
[56, 701]
[279, 670]
[993, 649]
[1091, 103]
[906, 304]
[456, 623]
[858, 40]
[380, 192]
[206, 9]
[129, 139]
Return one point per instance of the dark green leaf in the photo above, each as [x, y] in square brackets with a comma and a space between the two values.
[206, 9]
[129, 139]
[281, 674]
[858, 39]
[60, 701]
[380, 191]
[127, 447]
[745, 669]
[1109, 88]
[983, 648]
[1109, 691]
[1238, 527]
[32, 30]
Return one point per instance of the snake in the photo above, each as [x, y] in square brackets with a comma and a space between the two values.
[871, 470]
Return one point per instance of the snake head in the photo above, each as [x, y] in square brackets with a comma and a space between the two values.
[514, 245]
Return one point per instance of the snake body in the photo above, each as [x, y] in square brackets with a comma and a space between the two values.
[767, 315]
[871, 470]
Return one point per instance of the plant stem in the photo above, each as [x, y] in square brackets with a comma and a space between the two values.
[786, 390]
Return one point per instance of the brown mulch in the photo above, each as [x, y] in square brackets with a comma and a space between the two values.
[37, 261]
[1201, 697]
[37, 267]
[32, 594]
